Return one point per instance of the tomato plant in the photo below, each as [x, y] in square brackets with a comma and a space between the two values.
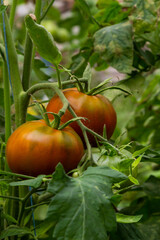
[103, 198]
[35, 148]
[97, 110]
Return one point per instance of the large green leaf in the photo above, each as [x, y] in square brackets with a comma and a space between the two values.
[81, 206]
[115, 45]
[110, 12]
[144, 15]
[43, 41]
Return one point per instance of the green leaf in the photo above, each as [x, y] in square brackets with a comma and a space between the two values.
[150, 229]
[9, 218]
[2, 8]
[141, 151]
[111, 12]
[35, 183]
[13, 230]
[44, 227]
[43, 41]
[127, 232]
[137, 161]
[144, 15]
[152, 186]
[83, 6]
[39, 68]
[81, 206]
[115, 45]
[133, 180]
[120, 162]
[121, 218]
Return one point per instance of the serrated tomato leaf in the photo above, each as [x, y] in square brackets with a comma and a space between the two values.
[115, 45]
[81, 206]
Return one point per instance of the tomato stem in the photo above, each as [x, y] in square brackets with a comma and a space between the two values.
[56, 121]
[59, 77]
[13, 66]
[23, 201]
[95, 89]
[7, 103]
[112, 87]
[12, 13]
[102, 139]
[89, 156]
[47, 9]
[38, 8]
[16, 175]
[69, 122]
[27, 63]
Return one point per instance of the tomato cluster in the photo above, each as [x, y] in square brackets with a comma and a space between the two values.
[36, 148]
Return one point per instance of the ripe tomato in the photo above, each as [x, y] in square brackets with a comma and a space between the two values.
[97, 109]
[35, 148]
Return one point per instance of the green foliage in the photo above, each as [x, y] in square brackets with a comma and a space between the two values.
[2, 8]
[90, 195]
[35, 183]
[114, 43]
[144, 15]
[127, 232]
[43, 41]
[121, 218]
[15, 231]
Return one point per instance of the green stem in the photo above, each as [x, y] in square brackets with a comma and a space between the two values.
[112, 87]
[45, 197]
[15, 175]
[101, 138]
[64, 101]
[7, 102]
[59, 78]
[14, 69]
[27, 64]
[82, 126]
[37, 205]
[7, 107]
[41, 86]
[11, 198]
[1, 154]
[47, 9]
[12, 13]
[38, 9]
[24, 200]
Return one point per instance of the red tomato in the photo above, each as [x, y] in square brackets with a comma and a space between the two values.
[97, 109]
[35, 148]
